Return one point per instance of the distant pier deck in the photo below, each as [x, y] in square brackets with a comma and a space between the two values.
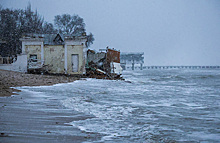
[181, 67]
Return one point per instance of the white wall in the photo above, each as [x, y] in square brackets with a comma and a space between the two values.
[20, 65]
[116, 68]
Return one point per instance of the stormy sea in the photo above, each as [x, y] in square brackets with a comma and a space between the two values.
[176, 105]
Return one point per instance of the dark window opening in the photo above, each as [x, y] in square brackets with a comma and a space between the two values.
[33, 58]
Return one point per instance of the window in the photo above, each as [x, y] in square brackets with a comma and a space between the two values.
[33, 58]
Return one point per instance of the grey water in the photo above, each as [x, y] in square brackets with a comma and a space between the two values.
[149, 106]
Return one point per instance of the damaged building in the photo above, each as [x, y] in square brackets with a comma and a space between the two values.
[55, 53]
[65, 54]
[104, 64]
[132, 61]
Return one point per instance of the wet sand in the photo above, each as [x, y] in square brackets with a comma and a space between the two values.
[34, 118]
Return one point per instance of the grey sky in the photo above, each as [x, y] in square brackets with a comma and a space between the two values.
[169, 32]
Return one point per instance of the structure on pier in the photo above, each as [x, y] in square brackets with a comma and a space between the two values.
[132, 61]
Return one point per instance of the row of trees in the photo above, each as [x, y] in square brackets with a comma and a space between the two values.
[15, 23]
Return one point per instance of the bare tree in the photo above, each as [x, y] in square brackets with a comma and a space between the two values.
[68, 24]
[48, 28]
[73, 25]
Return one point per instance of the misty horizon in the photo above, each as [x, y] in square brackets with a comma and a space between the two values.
[170, 33]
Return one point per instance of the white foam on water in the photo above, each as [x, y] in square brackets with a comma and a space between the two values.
[137, 109]
[61, 84]
[109, 119]
[30, 92]
[193, 105]
[204, 136]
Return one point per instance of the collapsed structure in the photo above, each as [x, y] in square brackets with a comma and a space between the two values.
[104, 64]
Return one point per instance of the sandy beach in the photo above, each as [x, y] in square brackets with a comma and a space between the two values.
[34, 118]
[15, 79]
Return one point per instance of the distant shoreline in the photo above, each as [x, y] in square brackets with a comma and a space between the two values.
[10, 79]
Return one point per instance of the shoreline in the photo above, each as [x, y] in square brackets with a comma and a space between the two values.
[10, 79]
[28, 118]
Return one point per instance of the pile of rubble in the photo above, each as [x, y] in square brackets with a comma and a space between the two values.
[104, 64]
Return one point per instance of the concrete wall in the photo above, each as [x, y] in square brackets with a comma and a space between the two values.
[78, 50]
[76, 46]
[57, 57]
[36, 44]
[20, 65]
[33, 50]
[116, 68]
[54, 57]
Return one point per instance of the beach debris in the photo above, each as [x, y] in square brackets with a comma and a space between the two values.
[128, 81]
[104, 64]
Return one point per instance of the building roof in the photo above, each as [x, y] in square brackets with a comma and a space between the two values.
[54, 39]
[139, 56]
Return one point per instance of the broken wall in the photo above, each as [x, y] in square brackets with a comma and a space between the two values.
[95, 57]
[113, 56]
[20, 65]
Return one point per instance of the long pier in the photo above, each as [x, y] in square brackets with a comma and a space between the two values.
[181, 67]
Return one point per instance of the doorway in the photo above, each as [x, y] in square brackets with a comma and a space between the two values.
[75, 62]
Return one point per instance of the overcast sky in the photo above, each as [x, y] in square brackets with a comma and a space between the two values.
[169, 32]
